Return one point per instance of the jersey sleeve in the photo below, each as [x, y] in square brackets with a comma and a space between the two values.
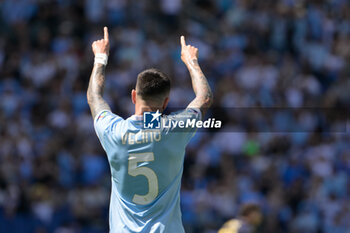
[189, 117]
[105, 124]
[232, 226]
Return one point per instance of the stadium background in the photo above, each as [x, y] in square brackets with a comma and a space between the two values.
[54, 176]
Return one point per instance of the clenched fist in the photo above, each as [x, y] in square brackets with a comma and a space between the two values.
[189, 54]
[101, 46]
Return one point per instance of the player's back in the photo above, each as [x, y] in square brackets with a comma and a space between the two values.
[146, 167]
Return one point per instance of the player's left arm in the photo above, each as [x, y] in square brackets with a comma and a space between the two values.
[97, 78]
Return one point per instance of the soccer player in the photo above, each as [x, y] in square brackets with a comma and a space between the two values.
[249, 219]
[146, 165]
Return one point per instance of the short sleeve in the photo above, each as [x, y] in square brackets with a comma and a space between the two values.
[105, 124]
[188, 116]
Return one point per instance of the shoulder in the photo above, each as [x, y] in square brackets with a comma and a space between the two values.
[186, 113]
[106, 121]
[231, 226]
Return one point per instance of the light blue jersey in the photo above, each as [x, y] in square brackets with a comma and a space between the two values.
[146, 167]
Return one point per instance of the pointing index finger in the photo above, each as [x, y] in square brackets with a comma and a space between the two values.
[106, 36]
[183, 43]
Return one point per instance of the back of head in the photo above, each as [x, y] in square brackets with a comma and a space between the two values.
[248, 209]
[251, 212]
[153, 86]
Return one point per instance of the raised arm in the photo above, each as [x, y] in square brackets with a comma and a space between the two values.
[204, 96]
[97, 78]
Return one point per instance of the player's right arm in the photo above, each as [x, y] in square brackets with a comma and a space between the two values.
[204, 96]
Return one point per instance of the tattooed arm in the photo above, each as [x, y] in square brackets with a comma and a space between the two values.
[204, 96]
[97, 78]
[95, 90]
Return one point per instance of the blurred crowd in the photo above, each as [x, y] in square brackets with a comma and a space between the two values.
[54, 175]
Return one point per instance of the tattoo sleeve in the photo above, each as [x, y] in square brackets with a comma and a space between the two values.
[204, 96]
[95, 90]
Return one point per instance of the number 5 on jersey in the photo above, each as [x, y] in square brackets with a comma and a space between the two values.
[151, 176]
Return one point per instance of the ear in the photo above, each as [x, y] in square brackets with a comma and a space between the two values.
[133, 96]
[165, 103]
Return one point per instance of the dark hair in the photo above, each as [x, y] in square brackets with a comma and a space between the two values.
[249, 208]
[152, 85]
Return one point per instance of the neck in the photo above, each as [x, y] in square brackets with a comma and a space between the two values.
[140, 109]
